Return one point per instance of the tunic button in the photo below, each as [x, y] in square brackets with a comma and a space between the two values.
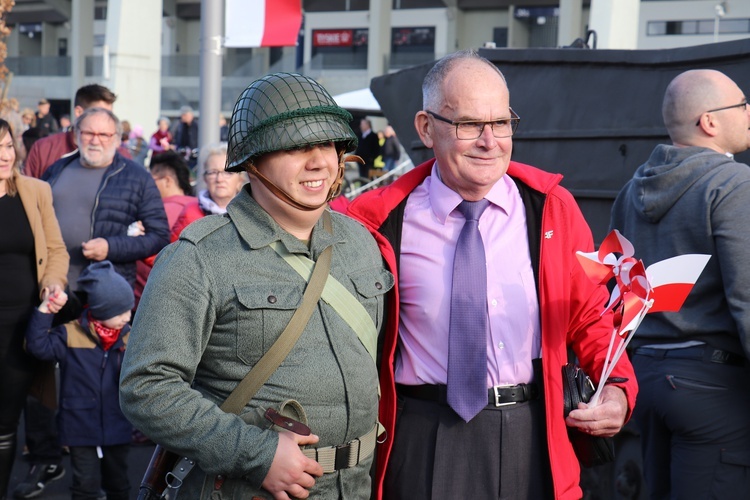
[271, 299]
[500, 345]
[378, 285]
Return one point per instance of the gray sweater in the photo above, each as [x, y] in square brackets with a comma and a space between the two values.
[693, 200]
[214, 304]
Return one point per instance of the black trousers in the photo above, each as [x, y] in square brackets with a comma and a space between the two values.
[364, 170]
[17, 371]
[42, 438]
[92, 474]
[694, 418]
[500, 454]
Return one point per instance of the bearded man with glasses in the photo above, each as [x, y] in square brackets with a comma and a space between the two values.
[528, 298]
[691, 196]
[98, 195]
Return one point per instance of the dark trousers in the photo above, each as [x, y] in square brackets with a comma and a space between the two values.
[17, 370]
[694, 417]
[364, 170]
[42, 438]
[500, 454]
[92, 474]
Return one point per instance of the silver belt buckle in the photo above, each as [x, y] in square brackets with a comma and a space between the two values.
[496, 390]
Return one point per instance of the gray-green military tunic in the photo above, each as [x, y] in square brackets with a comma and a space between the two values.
[214, 303]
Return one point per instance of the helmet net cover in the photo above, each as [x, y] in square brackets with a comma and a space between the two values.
[284, 111]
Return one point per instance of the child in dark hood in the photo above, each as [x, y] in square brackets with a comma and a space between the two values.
[90, 351]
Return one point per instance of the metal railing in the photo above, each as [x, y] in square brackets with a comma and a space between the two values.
[38, 66]
[403, 167]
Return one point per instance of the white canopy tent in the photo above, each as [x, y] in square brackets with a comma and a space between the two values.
[359, 101]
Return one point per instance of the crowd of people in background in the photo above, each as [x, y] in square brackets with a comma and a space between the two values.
[180, 135]
[112, 189]
[380, 150]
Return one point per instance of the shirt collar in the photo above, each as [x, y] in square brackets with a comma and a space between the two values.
[258, 228]
[444, 200]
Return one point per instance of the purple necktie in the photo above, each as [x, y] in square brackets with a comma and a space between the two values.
[467, 346]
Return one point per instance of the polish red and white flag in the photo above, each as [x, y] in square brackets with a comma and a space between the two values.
[639, 290]
[262, 23]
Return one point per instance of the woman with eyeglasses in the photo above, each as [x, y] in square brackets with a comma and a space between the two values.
[221, 188]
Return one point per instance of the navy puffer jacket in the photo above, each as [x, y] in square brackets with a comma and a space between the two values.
[127, 194]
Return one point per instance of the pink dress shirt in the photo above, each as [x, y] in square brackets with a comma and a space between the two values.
[430, 231]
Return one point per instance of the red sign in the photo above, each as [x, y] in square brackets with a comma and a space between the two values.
[332, 38]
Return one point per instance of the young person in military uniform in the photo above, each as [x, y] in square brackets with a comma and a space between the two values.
[218, 298]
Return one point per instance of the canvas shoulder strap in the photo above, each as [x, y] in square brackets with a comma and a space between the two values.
[339, 298]
[271, 360]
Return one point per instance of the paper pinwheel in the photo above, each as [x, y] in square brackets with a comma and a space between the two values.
[639, 290]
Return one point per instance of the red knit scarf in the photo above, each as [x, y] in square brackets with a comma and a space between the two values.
[107, 336]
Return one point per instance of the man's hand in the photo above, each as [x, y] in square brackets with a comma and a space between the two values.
[291, 473]
[96, 249]
[605, 419]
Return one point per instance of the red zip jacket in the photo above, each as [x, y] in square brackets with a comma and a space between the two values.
[570, 304]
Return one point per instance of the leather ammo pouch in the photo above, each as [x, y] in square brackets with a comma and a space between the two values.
[577, 388]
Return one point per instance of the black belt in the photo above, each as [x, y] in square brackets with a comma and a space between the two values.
[500, 395]
[703, 353]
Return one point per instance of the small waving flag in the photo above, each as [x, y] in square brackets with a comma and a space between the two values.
[662, 286]
[672, 279]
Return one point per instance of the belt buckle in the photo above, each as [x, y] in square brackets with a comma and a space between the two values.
[342, 456]
[496, 390]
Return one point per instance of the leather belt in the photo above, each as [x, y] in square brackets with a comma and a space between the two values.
[500, 395]
[345, 456]
[704, 353]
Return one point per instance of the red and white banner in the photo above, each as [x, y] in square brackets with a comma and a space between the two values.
[262, 23]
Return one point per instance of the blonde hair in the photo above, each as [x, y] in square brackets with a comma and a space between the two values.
[30, 113]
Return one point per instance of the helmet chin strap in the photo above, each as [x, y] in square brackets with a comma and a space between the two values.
[286, 198]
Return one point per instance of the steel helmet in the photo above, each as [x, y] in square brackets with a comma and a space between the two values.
[285, 111]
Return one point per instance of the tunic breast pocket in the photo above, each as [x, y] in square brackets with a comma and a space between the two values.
[263, 311]
[372, 285]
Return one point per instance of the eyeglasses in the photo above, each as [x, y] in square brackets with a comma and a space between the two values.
[89, 136]
[743, 104]
[471, 130]
[215, 174]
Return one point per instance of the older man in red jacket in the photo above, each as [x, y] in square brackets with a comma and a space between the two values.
[538, 305]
